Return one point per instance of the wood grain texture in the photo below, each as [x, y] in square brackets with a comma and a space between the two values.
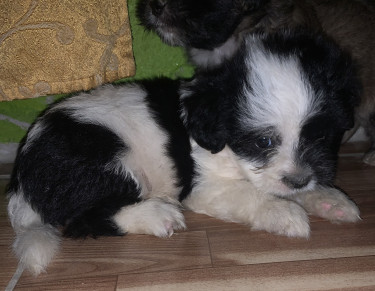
[241, 247]
[129, 254]
[325, 274]
[215, 255]
[100, 283]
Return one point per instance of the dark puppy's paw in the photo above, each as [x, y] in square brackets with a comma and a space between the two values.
[209, 139]
[204, 120]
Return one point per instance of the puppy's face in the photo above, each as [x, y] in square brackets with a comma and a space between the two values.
[281, 105]
[281, 136]
[203, 24]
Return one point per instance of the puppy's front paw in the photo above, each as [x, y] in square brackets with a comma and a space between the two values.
[331, 204]
[282, 217]
[156, 216]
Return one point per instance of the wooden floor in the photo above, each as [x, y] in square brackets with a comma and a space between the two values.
[213, 255]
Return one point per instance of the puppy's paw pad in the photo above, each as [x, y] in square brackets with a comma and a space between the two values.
[326, 206]
[339, 213]
[340, 210]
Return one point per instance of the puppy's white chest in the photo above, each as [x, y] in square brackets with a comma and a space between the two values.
[222, 164]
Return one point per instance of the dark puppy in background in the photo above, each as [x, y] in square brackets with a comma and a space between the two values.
[211, 31]
[121, 159]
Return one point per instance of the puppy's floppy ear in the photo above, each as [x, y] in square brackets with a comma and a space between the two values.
[209, 102]
[340, 78]
[204, 112]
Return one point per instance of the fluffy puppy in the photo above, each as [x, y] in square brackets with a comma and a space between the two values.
[121, 159]
[215, 32]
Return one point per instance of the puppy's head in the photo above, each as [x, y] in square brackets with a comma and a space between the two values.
[281, 105]
[203, 24]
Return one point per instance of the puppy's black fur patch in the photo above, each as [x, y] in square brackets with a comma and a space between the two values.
[62, 168]
[162, 103]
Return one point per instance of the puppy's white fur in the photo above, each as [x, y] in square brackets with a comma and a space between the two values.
[157, 216]
[213, 58]
[223, 191]
[36, 243]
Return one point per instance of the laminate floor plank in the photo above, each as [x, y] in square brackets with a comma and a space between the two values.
[341, 274]
[8, 263]
[81, 284]
[241, 247]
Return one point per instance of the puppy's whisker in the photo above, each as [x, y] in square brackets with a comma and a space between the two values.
[258, 172]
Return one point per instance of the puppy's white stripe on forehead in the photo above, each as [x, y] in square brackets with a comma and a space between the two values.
[277, 93]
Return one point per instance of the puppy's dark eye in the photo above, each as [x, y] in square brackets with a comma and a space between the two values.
[264, 142]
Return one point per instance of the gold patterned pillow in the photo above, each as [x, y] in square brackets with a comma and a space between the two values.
[54, 46]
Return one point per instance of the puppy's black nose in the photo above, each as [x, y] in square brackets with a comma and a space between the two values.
[157, 6]
[296, 181]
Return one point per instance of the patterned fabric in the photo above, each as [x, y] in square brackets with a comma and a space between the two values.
[53, 46]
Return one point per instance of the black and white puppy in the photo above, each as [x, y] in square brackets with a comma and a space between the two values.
[211, 31]
[120, 159]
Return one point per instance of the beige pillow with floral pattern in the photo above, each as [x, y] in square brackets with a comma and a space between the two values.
[54, 46]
